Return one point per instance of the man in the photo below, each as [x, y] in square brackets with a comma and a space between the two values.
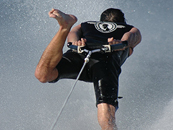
[103, 69]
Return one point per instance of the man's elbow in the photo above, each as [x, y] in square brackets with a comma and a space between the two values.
[139, 36]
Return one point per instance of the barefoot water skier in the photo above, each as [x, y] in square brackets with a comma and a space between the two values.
[103, 69]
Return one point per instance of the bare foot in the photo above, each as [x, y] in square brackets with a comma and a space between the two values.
[64, 20]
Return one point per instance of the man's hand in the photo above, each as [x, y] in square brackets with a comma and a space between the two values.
[80, 42]
[113, 41]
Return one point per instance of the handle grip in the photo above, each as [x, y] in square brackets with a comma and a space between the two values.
[104, 48]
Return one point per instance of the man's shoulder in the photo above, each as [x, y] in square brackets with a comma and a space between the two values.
[89, 22]
[104, 22]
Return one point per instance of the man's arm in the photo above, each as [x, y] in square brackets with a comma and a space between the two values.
[75, 34]
[133, 37]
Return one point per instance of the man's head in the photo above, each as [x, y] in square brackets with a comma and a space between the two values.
[112, 15]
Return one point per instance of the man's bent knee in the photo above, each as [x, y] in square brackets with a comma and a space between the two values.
[45, 75]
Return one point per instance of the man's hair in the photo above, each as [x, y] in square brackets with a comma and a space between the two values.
[112, 15]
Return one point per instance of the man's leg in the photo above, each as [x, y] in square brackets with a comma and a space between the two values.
[106, 116]
[45, 70]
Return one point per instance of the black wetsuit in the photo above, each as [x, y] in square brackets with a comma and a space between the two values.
[103, 69]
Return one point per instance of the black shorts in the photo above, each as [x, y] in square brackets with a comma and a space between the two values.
[103, 70]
